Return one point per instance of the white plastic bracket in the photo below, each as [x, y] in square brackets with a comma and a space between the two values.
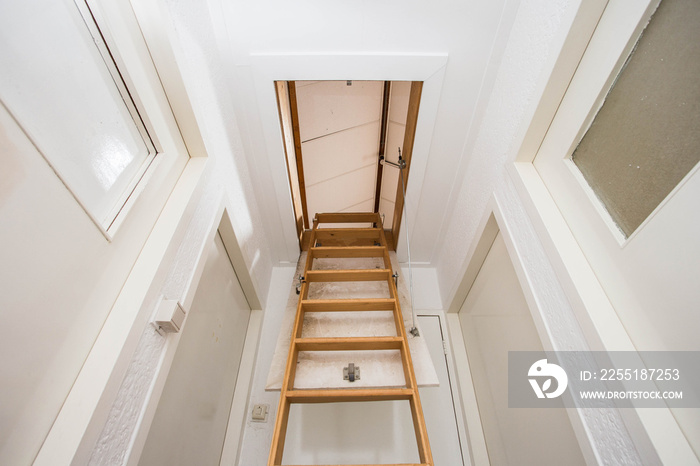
[169, 316]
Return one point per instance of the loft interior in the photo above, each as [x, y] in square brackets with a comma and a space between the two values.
[157, 187]
[338, 136]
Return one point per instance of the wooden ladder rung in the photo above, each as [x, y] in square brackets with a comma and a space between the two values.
[383, 464]
[347, 233]
[341, 305]
[344, 394]
[348, 217]
[350, 275]
[346, 252]
[349, 343]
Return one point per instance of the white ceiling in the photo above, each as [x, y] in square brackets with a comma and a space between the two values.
[455, 47]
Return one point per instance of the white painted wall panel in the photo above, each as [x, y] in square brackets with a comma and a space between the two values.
[326, 107]
[332, 156]
[340, 159]
[343, 192]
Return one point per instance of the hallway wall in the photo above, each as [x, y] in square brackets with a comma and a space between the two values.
[226, 183]
[485, 185]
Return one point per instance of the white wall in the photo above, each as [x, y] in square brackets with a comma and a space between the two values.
[60, 275]
[538, 32]
[114, 410]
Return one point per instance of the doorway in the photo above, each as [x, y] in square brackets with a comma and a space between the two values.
[192, 416]
[495, 319]
[335, 135]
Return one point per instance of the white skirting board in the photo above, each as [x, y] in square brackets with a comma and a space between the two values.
[378, 369]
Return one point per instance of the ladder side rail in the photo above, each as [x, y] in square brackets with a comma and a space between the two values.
[282, 420]
[424, 451]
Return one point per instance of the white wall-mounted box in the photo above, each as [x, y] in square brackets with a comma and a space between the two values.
[169, 316]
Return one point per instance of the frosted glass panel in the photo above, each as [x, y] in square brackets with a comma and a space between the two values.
[646, 137]
[69, 104]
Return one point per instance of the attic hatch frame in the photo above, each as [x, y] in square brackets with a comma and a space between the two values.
[288, 113]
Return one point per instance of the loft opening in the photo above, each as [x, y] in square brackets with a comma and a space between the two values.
[335, 135]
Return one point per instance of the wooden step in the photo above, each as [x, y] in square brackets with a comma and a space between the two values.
[349, 394]
[348, 343]
[347, 233]
[348, 217]
[351, 275]
[346, 252]
[383, 464]
[341, 305]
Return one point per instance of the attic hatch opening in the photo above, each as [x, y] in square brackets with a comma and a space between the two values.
[334, 133]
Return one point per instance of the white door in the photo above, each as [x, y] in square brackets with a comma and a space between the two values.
[190, 423]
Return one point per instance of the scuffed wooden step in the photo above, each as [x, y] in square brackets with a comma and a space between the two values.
[349, 395]
[341, 305]
[351, 275]
[347, 233]
[348, 217]
[349, 343]
[323, 252]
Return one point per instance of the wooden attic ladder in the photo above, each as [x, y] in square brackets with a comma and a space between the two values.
[348, 243]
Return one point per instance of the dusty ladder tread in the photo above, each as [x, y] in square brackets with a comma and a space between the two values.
[289, 395]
